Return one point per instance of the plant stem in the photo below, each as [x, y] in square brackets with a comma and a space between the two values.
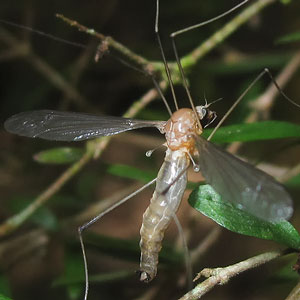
[223, 275]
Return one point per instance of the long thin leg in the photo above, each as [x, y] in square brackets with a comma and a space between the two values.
[163, 55]
[187, 256]
[94, 220]
[174, 34]
[258, 77]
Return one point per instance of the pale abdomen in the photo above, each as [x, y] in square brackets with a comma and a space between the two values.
[170, 186]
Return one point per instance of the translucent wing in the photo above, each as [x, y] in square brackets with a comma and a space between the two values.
[240, 183]
[70, 126]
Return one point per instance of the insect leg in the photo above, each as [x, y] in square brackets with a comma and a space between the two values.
[174, 34]
[187, 255]
[240, 98]
[94, 220]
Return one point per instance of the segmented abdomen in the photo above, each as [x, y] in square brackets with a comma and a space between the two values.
[170, 186]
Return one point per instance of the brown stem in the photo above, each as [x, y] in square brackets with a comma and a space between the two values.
[223, 275]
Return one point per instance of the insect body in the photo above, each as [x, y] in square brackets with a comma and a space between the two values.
[170, 186]
[238, 182]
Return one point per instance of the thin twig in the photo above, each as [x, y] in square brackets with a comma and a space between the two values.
[206, 243]
[193, 57]
[188, 61]
[94, 146]
[110, 42]
[223, 275]
[295, 293]
[14, 222]
[18, 247]
[100, 206]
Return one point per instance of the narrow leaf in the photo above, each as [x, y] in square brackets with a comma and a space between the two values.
[2, 297]
[63, 155]
[5, 288]
[285, 2]
[129, 249]
[254, 131]
[130, 172]
[289, 38]
[208, 202]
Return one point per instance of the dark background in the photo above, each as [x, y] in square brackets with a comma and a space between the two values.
[109, 87]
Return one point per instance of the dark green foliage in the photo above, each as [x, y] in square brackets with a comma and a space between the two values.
[208, 202]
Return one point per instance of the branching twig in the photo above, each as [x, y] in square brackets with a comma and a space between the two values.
[223, 275]
[190, 60]
[97, 147]
[111, 43]
[193, 57]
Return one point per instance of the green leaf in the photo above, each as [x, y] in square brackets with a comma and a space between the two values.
[42, 216]
[208, 202]
[286, 273]
[245, 65]
[4, 287]
[2, 297]
[137, 174]
[45, 218]
[75, 284]
[254, 131]
[73, 273]
[129, 249]
[74, 291]
[85, 186]
[62, 155]
[285, 2]
[130, 172]
[289, 38]
[112, 276]
[294, 182]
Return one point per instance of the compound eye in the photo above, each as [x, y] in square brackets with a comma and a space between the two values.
[203, 113]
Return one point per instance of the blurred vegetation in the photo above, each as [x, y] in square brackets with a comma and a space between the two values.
[42, 259]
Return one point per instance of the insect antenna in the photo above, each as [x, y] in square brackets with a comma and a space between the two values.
[174, 34]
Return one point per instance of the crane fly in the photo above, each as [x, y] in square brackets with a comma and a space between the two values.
[236, 181]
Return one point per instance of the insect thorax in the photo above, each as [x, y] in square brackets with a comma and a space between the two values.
[181, 128]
